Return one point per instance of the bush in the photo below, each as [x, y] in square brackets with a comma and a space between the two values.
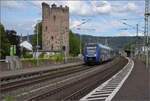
[41, 55]
[32, 61]
[28, 56]
[10, 98]
[57, 58]
[72, 55]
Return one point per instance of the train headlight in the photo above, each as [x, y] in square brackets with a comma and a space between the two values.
[94, 54]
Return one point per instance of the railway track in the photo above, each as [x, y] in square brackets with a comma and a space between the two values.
[25, 75]
[71, 93]
[105, 76]
[7, 88]
[34, 94]
[20, 83]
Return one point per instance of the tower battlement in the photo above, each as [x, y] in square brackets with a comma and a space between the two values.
[54, 6]
[59, 7]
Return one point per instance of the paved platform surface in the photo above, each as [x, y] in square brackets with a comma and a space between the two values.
[137, 86]
[4, 74]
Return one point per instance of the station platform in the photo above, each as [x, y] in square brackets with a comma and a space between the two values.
[7, 74]
[129, 84]
[137, 86]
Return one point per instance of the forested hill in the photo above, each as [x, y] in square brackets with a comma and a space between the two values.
[114, 42]
[30, 37]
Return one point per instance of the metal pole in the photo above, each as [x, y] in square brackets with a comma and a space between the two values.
[37, 39]
[37, 43]
[146, 30]
[80, 44]
[130, 51]
[61, 42]
[137, 41]
[28, 37]
[21, 48]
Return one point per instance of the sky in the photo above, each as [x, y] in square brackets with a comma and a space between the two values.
[100, 18]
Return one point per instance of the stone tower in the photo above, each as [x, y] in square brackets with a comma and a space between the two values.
[55, 28]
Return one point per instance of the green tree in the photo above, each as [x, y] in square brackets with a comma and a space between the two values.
[74, 44]
[129, 46]
[34, 41]
[13, 39]
[4, 43]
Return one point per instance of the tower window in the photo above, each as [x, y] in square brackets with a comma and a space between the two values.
[54, 18]
[46, 28]
[52, 37]
[52, 47]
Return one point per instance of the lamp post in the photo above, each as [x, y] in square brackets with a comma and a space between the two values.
[77, 27]
[80, 45]
[37, 46]
[61, 40]
[21, 47]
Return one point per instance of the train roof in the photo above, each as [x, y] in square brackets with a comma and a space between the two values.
[106, 47]
[89, 44]
[100, 45]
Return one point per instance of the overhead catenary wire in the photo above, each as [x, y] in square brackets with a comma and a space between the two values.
[146, 33]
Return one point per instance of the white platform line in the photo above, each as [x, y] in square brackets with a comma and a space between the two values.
[120, 85]
[109, 89]
[112, 81]
[113, 87]
[102, 98]
[93, 95]
[100, 87]
[102, 92]
[112, 84]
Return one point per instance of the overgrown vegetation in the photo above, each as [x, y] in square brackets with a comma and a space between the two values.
[30, 60]
[57, 58]
[35, 62]
[143, 58]
[74, 44]
[10, 98]
[129, 47]
[14, 39]
[34, 40]
[4, 43]
[28, 55]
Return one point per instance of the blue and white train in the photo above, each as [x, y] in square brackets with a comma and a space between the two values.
[97, 53]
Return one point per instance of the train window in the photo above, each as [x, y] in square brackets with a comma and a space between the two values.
[91, 50]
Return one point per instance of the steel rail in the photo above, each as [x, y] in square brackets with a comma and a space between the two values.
[29, 81]
[92, 85]
[56, 90]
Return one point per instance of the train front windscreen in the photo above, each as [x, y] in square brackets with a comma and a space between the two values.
[91, 50]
